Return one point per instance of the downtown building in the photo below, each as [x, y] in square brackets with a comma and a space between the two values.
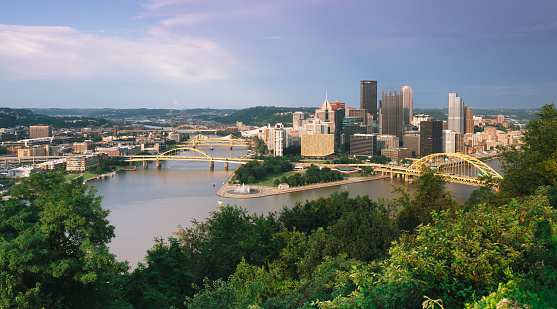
[368, 97]
[40, 131]
[431, 137]
[456, 113]
[407, 104]
[391, 116]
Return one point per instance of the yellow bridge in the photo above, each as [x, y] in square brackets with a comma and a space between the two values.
[228, 141]
[454, 167]
[187, 154]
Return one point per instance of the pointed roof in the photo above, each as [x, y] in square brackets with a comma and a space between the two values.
[326, 106]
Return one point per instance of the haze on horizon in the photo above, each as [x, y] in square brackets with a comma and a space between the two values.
[235, 54]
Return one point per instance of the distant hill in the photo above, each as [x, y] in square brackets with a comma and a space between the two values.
[523, 115]
[68, 111]
[113, 113]
[261, 115]
[10, 118]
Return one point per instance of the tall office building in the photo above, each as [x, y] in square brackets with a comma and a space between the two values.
[298, 120]
[431, 137]
[407, 104]
[368, 97]
[468, 120]
[456, 113]
[391, 114]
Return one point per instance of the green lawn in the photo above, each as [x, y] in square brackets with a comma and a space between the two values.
[269, 181]
[85, 175]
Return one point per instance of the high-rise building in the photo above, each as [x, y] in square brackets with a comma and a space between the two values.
[456, 113]
[468, 120]
[297, 120]
[391, 114]
[386, 142]
[40, 131]
[407, 104]
[368, 97]
[357, 112]
[336, 105]
[431, 137]
[411, 140]
[276, 140]
[448, 141]
[363, 144]
[317, 145]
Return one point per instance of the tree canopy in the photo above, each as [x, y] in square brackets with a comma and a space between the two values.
[53, 246]
[535, 163]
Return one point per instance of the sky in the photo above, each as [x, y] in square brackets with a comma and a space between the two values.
[295, 53]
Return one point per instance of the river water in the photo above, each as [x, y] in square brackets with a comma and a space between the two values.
[149, 203]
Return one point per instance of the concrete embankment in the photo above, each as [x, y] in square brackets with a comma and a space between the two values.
[266, 191]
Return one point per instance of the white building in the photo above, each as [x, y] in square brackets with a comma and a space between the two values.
[276, 139]
[449, 141]
[456, 113]
[407, 104]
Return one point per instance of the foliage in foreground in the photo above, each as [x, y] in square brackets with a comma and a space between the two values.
[53, 246]
[464, 255]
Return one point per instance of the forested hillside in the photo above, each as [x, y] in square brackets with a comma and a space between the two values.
[10, 118]
[261, 115]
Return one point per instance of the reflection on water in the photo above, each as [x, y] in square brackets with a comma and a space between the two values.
[149, 203]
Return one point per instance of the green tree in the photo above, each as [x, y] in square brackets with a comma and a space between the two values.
[217, 245]
[535, 163]
[53, 245]
[464, 255]
[430, 196]
[164, 281]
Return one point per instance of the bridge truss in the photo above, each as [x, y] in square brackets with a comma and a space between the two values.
[187, 154]
[228, 141]
[453, 167]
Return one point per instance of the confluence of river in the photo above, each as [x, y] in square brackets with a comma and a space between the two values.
[150, 203]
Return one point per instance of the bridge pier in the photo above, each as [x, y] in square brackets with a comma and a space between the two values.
[145, 164]
[212, 165]
[158, 163]
[226, 165]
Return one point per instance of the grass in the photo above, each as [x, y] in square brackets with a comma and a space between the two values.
[85, 175]
[269, 181]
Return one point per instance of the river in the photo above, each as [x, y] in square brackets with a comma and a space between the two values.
[149, 203]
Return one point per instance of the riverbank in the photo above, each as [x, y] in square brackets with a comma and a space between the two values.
[110, 174]
[267, 191]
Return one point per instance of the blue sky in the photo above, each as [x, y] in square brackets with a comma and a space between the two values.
[240, 53]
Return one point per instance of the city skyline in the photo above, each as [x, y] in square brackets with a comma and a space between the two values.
[224, 54]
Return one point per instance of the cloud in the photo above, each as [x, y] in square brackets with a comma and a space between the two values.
[540, 28]
[275, 38]
[40, 52]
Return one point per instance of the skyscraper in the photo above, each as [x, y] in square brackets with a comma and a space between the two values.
[431, 137]
[456, 113]
[407, 103]
[392, 114]
[468, 120]
[368, 97]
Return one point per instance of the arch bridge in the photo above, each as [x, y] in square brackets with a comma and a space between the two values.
[186, 154]
[453, 167]
[228, 141]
